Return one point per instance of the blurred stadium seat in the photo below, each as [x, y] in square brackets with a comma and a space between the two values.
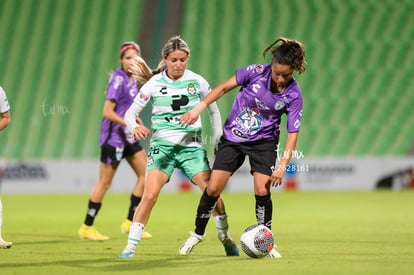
[56, 57]
[357, 88]
[358, 84]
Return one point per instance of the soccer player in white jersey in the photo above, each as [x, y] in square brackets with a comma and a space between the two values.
[172, 90]
[4, 121]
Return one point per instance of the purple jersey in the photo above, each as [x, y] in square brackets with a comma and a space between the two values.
[256, 112]
[122, 90]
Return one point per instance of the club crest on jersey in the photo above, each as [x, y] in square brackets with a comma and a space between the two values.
[191, 89]
[279, 105]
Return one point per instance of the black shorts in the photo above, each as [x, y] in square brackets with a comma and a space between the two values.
[114, 155]
[262, 156]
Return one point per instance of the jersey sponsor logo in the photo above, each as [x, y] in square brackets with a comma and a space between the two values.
[236, 132]
[248, 122]
[279, 105]
[256, 87]
[261, 105]
[191, 89]
[175, 120]
[179, 101]
[163, 90]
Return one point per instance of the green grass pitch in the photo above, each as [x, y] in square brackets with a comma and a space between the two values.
[316, 232]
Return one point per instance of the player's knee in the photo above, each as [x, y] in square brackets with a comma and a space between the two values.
[149, 198]
[213, 191]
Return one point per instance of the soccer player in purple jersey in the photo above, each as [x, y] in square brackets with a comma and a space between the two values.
[252, 129]
[116, 143]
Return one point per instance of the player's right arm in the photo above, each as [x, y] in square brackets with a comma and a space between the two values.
[191, 116]
[139, 131]
[110, 114]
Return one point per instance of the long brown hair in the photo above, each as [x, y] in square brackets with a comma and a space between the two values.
[142, 72]
[287, 52]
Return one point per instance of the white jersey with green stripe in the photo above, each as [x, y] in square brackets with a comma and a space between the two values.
[169, 100]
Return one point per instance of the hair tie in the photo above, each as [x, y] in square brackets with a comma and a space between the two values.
[126, 47]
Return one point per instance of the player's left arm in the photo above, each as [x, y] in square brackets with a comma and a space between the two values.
[216, 123]
[191, 116]
[215, 116]
[294, 116]
[290, 146]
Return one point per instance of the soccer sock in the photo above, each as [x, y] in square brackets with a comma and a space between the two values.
[222, 225]
[93, 209]
[134, 236]
[204, 209]
[264, 210]
[134, 201]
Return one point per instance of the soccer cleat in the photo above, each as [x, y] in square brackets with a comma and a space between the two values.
[126, 225]
[90, 233]
[146, 235]
[5, 244]
[274, 254]
[229, 245]
[190, 243]
[126, 253]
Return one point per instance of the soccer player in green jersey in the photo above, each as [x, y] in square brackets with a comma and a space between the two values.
[172, 90]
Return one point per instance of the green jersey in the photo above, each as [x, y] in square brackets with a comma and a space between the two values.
[169, 100]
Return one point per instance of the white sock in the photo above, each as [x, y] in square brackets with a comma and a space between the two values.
[134, 236]
[222, 224]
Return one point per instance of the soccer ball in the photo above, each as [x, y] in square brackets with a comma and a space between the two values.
[257, 241]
